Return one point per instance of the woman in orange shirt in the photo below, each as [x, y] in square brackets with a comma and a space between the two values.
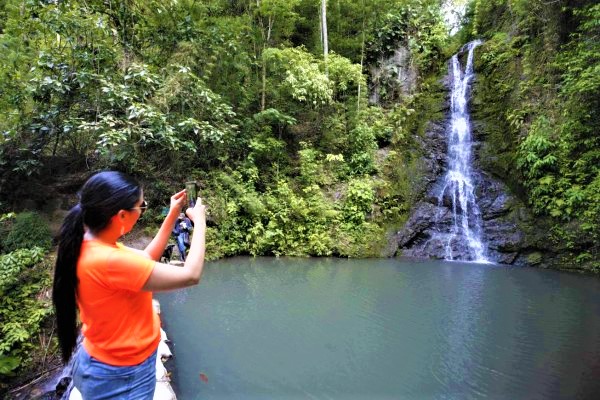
[112, 286]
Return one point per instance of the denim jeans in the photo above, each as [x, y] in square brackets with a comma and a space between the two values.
[96, 380]
[181, 246]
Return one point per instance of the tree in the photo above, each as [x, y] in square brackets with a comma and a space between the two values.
[324, 33]
[267, 12]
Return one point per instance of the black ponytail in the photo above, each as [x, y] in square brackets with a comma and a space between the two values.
[101, 197]
[65, 280]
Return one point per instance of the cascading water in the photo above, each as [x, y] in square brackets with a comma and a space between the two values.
[458, 183]
[449, 222]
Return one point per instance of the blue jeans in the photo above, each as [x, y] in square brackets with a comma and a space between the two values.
[181, 246]
[96, 380]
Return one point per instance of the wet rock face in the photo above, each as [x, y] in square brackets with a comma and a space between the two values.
[504, 226]
[418, 226]
[500, 233]
[397, 74]
[434, 144]
[508, 231]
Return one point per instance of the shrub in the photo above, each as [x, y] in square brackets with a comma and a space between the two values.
[28, 230]
[358, 202]
[6, 223]
[22, 311]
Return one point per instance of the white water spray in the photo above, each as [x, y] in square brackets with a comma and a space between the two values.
[457, 184]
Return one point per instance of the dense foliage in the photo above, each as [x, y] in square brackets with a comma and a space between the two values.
[28, 230]
[539, 95]
[24, 273]
[237, 95]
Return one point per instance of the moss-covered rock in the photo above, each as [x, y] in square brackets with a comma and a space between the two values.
[534, 258]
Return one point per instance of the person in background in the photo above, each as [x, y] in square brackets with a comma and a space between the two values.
[181, 231]
[111, 285]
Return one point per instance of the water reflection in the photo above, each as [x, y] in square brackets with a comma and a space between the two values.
[366, 329]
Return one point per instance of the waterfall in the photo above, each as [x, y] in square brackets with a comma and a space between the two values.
[457, 187]
[465, 213]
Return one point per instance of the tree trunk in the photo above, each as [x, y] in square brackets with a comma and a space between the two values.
[324, 33]
[362, 56]
[263, 100]
[264, 86]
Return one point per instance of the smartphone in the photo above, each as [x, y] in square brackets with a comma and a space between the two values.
[191, 189]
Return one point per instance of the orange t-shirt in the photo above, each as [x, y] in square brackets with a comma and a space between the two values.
[120, 326]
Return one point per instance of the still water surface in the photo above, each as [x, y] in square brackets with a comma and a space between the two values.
[287, 328]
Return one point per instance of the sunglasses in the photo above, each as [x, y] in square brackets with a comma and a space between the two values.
[142, 208]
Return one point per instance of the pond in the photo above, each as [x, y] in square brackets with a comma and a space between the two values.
[289, 328]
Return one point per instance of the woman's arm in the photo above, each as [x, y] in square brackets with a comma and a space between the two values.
[156, 247]
[166, 276]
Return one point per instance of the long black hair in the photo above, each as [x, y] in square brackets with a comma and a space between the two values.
[100, 198]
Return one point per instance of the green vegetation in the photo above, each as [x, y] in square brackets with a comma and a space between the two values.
[236, 95]
[538, 96]
[27, 231]
[24, 309]
[239, 96]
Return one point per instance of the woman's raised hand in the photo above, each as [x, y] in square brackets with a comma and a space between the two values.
[197, 213]
[178, 200]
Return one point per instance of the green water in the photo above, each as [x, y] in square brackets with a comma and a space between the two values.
[266, 328]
